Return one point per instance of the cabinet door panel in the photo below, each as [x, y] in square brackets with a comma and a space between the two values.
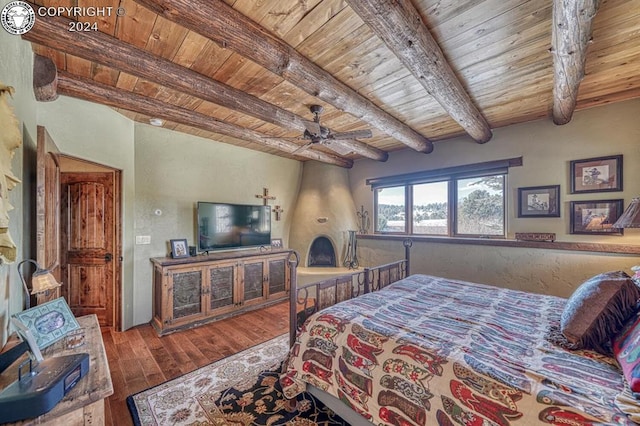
[222, 282]
[253, 281]
[277, 276]
[187, 293]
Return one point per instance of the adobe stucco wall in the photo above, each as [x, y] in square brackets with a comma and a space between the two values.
[324, 208]
[547, 150]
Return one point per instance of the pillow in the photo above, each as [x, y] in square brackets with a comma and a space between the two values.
[626, 349]
[598, 309]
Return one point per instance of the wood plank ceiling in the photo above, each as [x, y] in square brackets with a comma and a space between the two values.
[246, 72]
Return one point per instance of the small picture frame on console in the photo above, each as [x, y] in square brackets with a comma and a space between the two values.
[179, 248]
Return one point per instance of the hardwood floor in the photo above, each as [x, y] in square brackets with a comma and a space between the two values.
[139, 359]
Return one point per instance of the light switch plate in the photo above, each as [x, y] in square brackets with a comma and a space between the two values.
[143, 239]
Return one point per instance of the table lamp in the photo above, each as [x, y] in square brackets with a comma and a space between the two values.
[42, 281]
[631, 216]
[631, 219]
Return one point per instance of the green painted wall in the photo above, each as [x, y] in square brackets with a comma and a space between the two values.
[175, 170]
[15, 70]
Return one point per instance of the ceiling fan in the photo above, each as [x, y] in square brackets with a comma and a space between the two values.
[318, 134]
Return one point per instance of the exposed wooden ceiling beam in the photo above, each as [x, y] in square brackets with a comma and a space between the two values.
[89, 90]
[229, 28]
[106, 50]
[570, 37]
[400, 27]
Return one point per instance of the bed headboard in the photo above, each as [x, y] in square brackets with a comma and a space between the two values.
[310, 298]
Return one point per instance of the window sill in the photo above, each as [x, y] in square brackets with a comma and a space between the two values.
[495, 242]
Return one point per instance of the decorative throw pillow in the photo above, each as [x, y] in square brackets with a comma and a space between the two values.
[626, 348]
[598, 309]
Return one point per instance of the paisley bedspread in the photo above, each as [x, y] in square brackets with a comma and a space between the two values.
[429, 350]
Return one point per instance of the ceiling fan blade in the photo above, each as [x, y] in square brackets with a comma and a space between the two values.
[313, 128]
[287, 138]
[337, 146]
[355, 134]
[302, 148]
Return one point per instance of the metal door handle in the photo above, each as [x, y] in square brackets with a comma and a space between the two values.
[108, 257]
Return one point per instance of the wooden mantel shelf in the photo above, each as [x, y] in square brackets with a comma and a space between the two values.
[633, 250]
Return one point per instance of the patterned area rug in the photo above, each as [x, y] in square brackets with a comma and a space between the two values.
[242, 390]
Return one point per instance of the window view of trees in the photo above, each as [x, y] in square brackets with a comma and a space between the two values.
[479, 207]
[481, 211]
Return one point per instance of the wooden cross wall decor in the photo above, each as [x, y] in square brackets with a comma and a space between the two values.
[265, 196]
[278, 210]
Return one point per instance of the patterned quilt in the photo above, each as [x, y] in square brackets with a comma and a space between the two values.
[428, 350]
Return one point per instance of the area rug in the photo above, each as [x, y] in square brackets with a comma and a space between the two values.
[241, 390]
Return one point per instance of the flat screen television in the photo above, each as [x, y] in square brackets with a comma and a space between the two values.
[229, 226]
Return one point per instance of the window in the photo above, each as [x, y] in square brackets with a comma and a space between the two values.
[458, 201]
[480, 206]
[391, 210]
[431, 208]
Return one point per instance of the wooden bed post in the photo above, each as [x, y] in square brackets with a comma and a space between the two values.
[367, 281]
[407, 243]
[294, 259]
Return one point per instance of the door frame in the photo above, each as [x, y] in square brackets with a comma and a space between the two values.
[50, 163]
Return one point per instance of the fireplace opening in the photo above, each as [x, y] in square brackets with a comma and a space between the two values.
[322, 253]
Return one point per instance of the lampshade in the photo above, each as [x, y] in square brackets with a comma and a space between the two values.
[42, 280]
[631, 216]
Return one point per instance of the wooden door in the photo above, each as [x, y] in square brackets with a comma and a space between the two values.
[88, 249]
[48, 209]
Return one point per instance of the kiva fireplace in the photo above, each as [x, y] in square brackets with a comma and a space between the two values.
[322, 253]
[324, 214]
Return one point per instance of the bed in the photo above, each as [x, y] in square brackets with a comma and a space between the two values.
[424, 350]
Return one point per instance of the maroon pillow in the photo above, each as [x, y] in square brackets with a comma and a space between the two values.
[598, 309]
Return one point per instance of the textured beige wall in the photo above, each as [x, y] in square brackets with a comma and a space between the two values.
[546, 150]
[175, 170]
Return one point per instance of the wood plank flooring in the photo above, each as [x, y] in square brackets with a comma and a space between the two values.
[139, 359]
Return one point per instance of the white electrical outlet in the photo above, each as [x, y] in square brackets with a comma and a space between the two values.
[143, 239]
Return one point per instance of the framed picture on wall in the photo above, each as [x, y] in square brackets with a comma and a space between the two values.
[539, 201]
[601, 174]
[596, 217]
